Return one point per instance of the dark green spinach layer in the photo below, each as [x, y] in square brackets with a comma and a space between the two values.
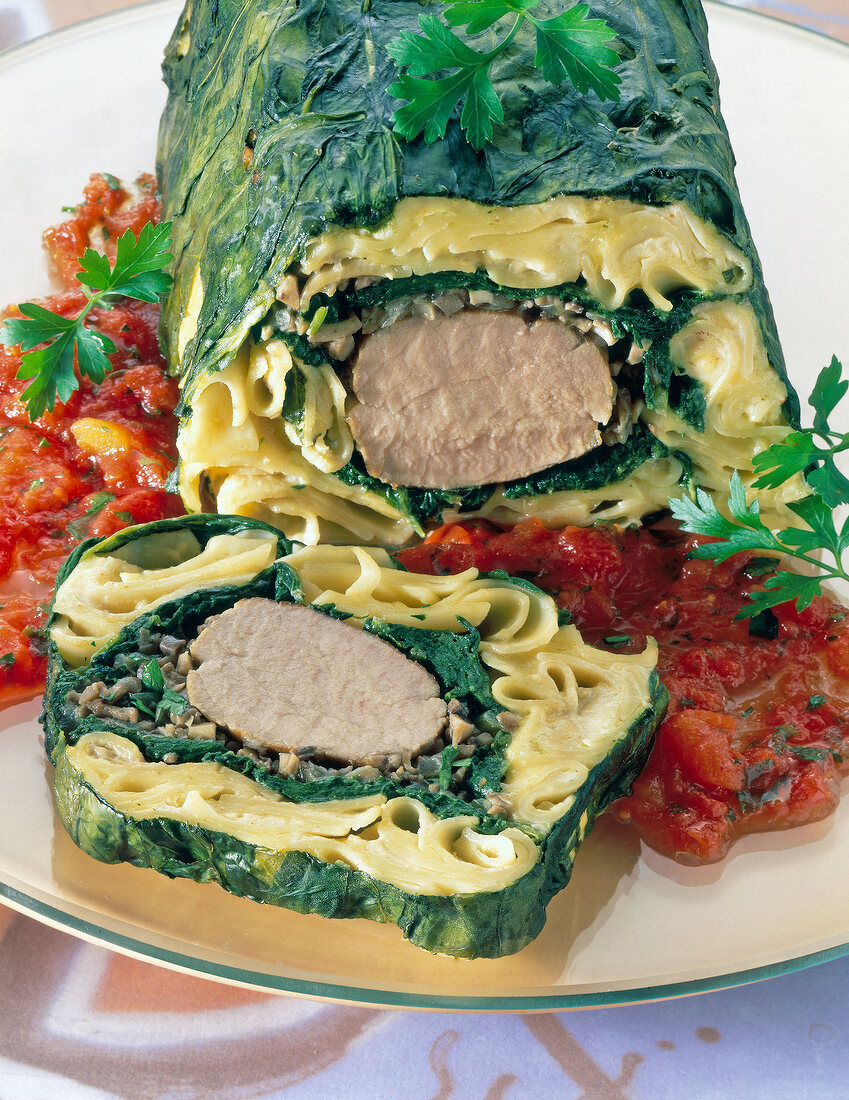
[594, 470]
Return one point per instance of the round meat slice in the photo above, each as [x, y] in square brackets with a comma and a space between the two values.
[476, 398]
[283, 677]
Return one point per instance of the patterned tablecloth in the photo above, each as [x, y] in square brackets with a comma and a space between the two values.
[77, 1021]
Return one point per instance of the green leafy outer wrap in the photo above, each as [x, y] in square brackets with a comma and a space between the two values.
[309, 78]
[484, 924]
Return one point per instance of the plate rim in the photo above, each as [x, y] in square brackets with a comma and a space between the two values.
[95, 933]
[93, 23]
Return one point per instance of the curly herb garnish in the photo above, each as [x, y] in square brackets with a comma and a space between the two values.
[811, 451]
[138, 273]
[569, 47]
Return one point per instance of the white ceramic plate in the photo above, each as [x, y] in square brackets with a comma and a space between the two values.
[632, 925]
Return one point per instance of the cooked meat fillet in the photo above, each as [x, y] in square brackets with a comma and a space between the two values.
[285, 677]
[475, 398]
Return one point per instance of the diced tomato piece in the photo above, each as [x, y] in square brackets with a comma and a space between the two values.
[701, 742]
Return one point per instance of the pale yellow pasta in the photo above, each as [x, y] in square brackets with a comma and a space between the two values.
[646, 490]
[614, 245]
[722, 349]
[256, 463]
[365, 583]
[322, 435]
[189, 325]
[572, 699]
[242, 405]
[325, 510]
[398, 841]
[106, 591]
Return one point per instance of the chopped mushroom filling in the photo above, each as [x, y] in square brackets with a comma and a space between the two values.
[127, 701]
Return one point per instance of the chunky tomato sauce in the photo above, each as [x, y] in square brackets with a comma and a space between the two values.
[757, 731]
[93, 465]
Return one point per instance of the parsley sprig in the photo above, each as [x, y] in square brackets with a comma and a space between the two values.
[819, 543]
[51, 344]
[569, 46]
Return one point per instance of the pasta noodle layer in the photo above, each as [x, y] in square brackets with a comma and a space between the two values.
[105, 592]
[721, 347]
[613, 246]
[398, 841]
[570, 697]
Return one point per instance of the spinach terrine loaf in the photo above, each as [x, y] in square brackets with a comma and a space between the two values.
[317, 728]
[374, 334]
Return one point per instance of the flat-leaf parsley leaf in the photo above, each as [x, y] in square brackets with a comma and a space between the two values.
[569, 46]
[51, 344]
[811, 451]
